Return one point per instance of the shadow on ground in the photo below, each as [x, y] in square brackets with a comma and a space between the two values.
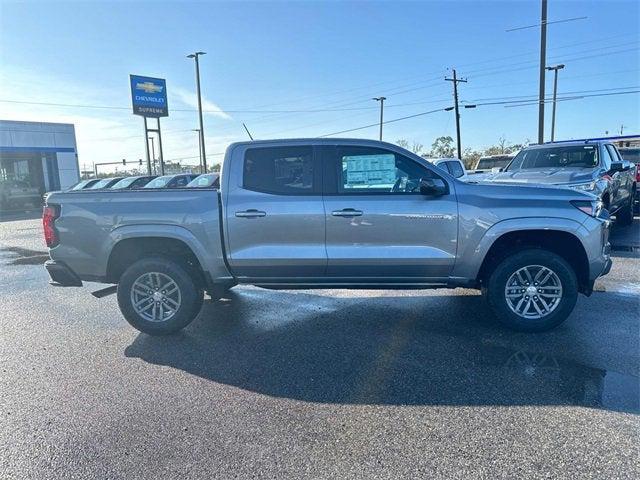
[404, 350]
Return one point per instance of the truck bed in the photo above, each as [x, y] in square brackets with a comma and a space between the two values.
[92, 222]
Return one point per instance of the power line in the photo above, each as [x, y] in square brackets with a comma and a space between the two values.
[520, 104]
[545, 22]
[564, 93]
[113, 107]
[508, 102]
[384, 123]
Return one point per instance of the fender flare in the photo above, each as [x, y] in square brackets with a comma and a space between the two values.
[470, 270]
[174, 232]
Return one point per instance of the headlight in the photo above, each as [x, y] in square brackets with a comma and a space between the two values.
[585, 187]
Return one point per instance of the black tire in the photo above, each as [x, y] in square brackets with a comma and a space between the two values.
[497, 283]
[190, 300]
[624, 216]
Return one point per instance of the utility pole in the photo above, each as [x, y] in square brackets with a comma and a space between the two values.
[555, 69]
[203, 154]
[381, 100]
[455, 81]
[543, 62]
[621, 129]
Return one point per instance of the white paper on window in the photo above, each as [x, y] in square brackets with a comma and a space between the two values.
[370, 171]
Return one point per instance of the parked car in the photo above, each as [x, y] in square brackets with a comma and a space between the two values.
[454, 166]
[206, 180]
[330, 213]
[18, 194]
[84, 184]
[632, 154]
[131, 183]
[492, 163]
[171, 181]
[104, 183]
[589, 166]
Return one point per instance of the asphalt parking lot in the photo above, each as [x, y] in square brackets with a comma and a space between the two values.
[316, 384]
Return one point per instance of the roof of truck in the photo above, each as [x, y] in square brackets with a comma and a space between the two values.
[316, 140]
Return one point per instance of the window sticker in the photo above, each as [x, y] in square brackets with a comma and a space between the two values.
[369, 171]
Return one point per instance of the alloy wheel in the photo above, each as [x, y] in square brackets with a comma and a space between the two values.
[155, 297]
[533, 292]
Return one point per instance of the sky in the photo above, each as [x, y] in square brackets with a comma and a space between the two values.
[306, 69]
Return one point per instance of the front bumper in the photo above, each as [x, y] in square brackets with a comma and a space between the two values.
[61, 275]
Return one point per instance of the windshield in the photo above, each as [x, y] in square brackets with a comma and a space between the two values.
[492, 162]
[101, 184]
[124, 183]
[82, 184]
[205, 180]
[159, 182]
[577, 156]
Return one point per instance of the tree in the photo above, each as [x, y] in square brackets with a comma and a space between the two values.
[415, 147]
[500, 149]
[443, 147]
[403, 143]
[470, 158]
[504, 148]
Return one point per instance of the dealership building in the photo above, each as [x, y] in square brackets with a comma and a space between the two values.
[38, 155]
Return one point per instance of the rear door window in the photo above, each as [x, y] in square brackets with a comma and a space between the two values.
[280, 170]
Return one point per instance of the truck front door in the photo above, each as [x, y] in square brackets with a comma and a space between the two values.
[379, 226]
[275, 222]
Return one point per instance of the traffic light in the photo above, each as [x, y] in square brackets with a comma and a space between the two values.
[140, 162]
[124, 161]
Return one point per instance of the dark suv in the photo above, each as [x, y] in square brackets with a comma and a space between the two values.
[592, 166]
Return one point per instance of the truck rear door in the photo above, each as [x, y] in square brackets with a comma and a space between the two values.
[275, 222]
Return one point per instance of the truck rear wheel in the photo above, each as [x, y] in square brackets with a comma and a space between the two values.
[158, 296]
[533, 290]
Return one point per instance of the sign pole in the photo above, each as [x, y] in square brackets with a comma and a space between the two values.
[160, 148]
[146, 146]
[149, 99]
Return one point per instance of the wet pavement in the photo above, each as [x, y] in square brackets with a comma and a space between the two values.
[316, 384]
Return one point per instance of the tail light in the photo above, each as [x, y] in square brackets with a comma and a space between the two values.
[49, 215]
[638, 172]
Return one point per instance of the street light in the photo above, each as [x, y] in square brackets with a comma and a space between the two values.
[202, 150]
[381, 100]
[555, 69]
[199, 148]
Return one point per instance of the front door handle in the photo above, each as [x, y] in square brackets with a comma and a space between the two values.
[251, 213]
[347, 212]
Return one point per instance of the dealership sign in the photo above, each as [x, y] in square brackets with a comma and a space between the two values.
[149, 96]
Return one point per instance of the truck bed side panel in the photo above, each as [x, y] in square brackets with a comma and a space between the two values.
[92, 223]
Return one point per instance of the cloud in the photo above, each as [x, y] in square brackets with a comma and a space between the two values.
[191, 100]
[105, 135]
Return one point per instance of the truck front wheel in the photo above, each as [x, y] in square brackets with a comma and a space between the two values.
[158, 296]
[533, 290]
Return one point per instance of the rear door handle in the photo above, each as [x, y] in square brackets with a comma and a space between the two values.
[347, 212]
[251, 213]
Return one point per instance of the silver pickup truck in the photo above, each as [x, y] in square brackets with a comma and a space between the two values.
[327, 213]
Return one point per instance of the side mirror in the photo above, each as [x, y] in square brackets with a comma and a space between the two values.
[626, 165]
[617, 167]
[496, 170]
[433, 187]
